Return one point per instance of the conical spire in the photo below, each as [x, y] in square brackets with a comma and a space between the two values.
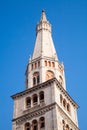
[43, 16]
[44, 45]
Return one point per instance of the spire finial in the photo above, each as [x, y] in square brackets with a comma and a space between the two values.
[43, 10]
[43, 16]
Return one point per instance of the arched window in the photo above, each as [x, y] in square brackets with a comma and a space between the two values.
[49, 63]
[32, 66]
[53, 64]
[34, 81]
[61, 98]
[35, 99]
[28, 102]
[41, 96]
[27, 126]
[68, 107]
[64, 103]
[49, 75]
[36, 78]
[67, 127]
[45, 63]
[42, 123]
[63, 123]
[35, 65]
[61, 80]
[35, 125]
[38, 63]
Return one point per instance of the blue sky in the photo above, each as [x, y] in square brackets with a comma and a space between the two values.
[18, 19]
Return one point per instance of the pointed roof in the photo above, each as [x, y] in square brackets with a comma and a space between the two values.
[44, 45]
[43, 16]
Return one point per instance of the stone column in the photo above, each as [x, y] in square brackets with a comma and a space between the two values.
[31, 101]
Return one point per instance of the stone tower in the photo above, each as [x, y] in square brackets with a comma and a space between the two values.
[44, 104]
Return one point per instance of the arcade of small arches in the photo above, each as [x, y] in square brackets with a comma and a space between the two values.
[65, 126]
[64, 103]
[35, 65]
[36, 124]
[49, 63]
[46, 63]
[34, 100]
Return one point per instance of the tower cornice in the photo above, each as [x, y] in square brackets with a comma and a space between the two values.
[43, 85]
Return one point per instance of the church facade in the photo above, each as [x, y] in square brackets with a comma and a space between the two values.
[44, 104]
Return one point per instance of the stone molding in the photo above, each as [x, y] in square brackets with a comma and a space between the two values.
[33, 114]
[43, 85]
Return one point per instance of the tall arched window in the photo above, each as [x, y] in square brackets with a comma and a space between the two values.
[38, 63]
[27, 126]
[28, 102]
[35, 125]
[68, 107]
[49, 63]
[42, 123]
[49, 75]
[67, 127]
[53, 64]
[41, 95]
[61, 80]
[35, 65]
[35, 99]
[45, 62]
[61, 98]
[63, 123]
[64, 103]
[36, 78]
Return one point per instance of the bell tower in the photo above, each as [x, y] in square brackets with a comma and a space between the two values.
[44, 104]
[44, 63]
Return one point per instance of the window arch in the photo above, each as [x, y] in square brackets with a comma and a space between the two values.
[41, 96]
[60, 79]
[35, 125]
[61, 98]
[34, 81]
[63, 124]
[35, 99]
[67, 127]
[36, 78]
[49, 63]
[53, 64]
[38, 63]
[64, 103]
[45, 62]
[42, 122]
[49, 75]
[35, 65]
[27, 126]
[28, 102]
[68, 107]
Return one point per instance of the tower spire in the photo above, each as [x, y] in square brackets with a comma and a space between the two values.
[44, 43]
[43, 16]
